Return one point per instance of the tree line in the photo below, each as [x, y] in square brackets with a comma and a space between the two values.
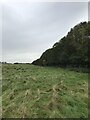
[71, 50]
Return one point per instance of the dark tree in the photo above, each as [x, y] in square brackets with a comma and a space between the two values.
[71, 50]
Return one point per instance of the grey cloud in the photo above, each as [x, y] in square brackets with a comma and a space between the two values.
[32, 28]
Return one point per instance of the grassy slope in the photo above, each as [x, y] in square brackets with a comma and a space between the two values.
[33, 91]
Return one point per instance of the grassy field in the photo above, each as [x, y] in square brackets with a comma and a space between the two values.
[43, 92]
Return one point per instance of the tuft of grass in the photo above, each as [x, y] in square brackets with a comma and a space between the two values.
[30, 91]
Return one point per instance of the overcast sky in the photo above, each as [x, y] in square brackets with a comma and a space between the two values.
[29, 29]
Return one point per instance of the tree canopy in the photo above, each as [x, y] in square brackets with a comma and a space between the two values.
[71, 50]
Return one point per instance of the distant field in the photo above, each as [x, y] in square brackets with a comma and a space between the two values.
[43, 92]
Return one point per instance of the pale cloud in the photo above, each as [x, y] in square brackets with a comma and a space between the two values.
[28, 1]
[29, 29]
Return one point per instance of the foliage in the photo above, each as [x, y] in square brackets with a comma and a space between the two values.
[71, 50]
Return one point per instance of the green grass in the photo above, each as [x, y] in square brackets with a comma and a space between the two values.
[43, 92]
